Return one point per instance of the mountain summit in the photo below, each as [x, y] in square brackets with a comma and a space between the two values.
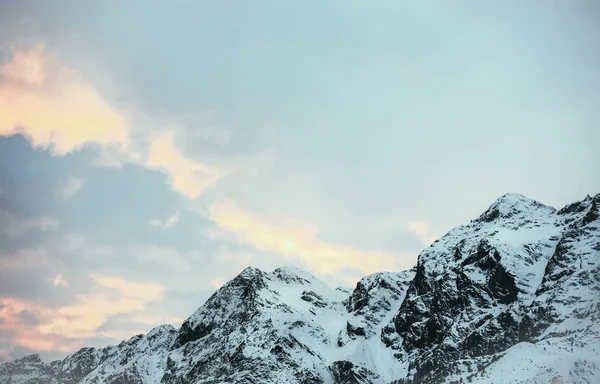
[511, 297]
[511, 205]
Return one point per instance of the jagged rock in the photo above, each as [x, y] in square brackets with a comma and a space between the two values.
[345, 372]
[511, 297]
[486, 286]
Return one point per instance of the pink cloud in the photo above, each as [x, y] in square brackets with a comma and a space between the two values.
[66, 328]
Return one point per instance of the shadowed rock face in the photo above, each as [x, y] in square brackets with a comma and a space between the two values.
[522, 274]
[345, 372]
[472, 296]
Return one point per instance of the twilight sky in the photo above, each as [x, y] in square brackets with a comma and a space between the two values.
[151, 150]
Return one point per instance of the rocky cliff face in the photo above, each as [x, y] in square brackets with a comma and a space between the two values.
[511, 297]
[520, 273]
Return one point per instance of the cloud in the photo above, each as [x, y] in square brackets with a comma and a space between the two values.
[67, 327]
[70, 187]
[56, 109]
[15, 333]
[53, 106]
[14, 226]
[297, 240]
[142, 291]
[152, 320]
[166, 223]
[25, 258]
[422, 231]
[186, 176]
[26, 67]
[167, 258]
[106, 300]
[60, 281]
[217, 282]
[29, 318]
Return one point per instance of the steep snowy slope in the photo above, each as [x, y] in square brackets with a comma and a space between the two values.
[521, 272]
[285, 326]
[511, 297]
[279, 327]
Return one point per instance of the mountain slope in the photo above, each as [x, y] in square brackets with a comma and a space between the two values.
[511, 297]
[520, 273]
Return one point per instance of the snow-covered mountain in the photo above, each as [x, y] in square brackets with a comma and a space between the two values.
[511, 297]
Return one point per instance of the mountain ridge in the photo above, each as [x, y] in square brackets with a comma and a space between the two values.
[521, 278]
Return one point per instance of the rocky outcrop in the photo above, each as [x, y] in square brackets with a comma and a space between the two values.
[505, 278]
[520, 282]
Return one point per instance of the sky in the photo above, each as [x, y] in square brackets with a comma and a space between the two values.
[150, 150]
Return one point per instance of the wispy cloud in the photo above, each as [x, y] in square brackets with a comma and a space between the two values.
[157, 319]
[299, 240]
[217, 282]
[70, 187]
[65, 328]
[59, 280]
[12, 225]
[166, 223]
[25, 258]
[421, 229]
[186, 176]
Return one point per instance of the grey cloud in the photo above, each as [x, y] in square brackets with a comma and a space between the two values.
[33, 284]
[96, 210]
[125, 324]
[422, 114]
[29, 318]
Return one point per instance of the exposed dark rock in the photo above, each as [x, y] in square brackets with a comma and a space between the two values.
[346, 372]
[474, 294]
[354, 330]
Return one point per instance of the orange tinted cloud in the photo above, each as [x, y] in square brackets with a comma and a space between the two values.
[142, 291]
[422, 231]
[186, 176]
[113, 296]
[217, 282]
[298, 240]
[53, 106]
[56, 109]
[20, 334]
[66, 328]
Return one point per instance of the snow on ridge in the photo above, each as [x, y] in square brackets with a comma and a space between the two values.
[519, 201]
[287, 325]
[161, 329]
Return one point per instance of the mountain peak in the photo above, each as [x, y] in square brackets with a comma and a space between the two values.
[32, 358]
[519, 281]
[512, 199]
[161, 329]
[292, 274]
[250, 271]
[513, 204]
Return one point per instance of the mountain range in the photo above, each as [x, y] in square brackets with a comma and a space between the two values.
[511, 297]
